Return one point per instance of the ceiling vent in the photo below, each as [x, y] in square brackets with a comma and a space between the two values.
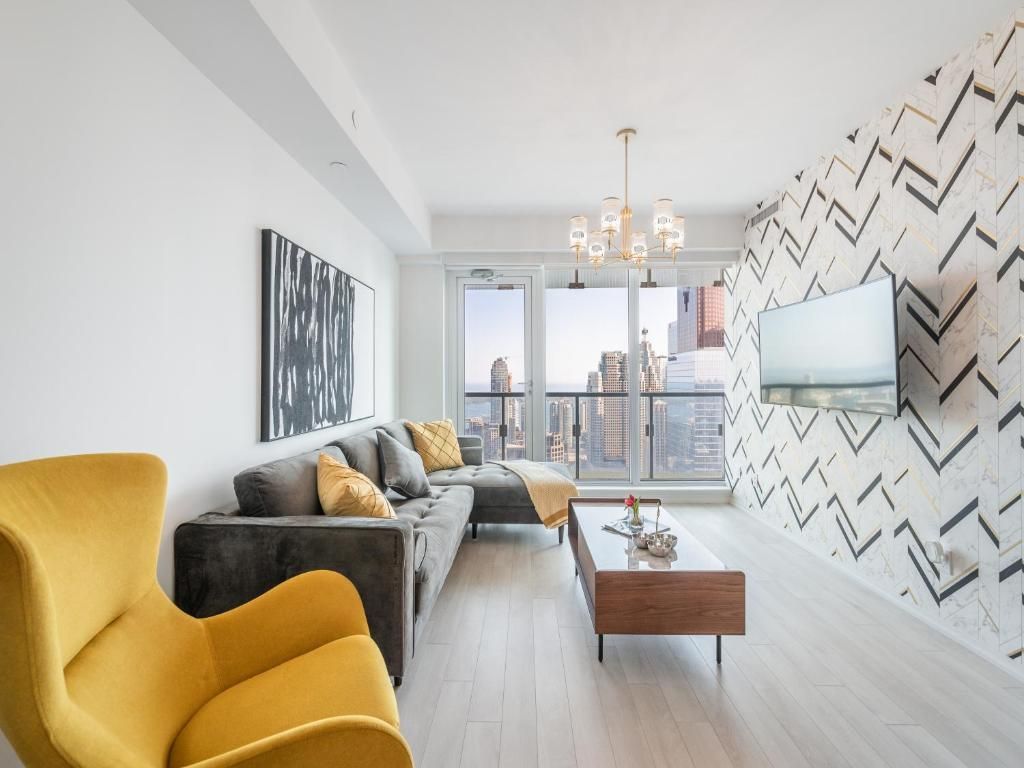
[764, 213]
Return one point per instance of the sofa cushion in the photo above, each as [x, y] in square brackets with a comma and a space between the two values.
[401, 468]
[492, 484]
[439, 521]
[282, 488]
[400, 432]
[436, 443]
[362, 454]
[345, 492]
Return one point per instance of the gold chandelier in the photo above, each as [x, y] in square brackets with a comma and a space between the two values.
[617, 222]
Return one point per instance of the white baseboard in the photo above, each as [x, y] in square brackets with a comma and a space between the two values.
[1000, 661]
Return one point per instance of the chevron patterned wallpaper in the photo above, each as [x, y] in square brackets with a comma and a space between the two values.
[928, 191]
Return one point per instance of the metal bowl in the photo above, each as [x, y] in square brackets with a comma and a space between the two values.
[661, 563]
[640, 540]
[660, 544]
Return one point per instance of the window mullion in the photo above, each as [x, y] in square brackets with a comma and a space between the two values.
[635, 429]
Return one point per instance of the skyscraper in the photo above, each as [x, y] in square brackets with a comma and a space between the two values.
[554, 448]
[699, 364]
[592, 416]
[566, 421]
[561, 417]
[700, 317]
[652, 377]
[614, 371]
[554, 416]
[659, 418]
[501, 381]
[514, 418]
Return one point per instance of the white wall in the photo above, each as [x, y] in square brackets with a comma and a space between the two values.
[132, 196]
[422, 341]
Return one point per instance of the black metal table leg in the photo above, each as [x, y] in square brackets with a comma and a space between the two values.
[600, 647]
[718, 648]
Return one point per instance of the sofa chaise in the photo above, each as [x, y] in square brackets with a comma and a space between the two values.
[277, 530]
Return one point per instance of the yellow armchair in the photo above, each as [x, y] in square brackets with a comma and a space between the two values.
[99, 669]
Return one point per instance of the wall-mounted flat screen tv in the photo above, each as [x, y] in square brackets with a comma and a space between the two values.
[836, 351]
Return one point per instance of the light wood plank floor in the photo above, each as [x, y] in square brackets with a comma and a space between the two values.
[829, 674]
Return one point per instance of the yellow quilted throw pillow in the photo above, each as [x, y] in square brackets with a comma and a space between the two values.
[436, 444]
[347, 493]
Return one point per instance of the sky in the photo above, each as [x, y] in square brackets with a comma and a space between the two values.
[580, 325]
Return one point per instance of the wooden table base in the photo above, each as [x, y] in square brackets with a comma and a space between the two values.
[630, 592]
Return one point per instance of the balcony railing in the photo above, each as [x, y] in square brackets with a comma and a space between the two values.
[499, 419]
[591, 432]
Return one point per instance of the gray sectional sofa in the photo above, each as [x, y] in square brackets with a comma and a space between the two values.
[277, 530]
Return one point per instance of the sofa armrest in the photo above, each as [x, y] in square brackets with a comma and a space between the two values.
[224, 560]
[472, 447]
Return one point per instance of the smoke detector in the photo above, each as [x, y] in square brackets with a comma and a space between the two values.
[485, 274]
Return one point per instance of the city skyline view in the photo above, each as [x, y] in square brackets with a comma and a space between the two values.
[588, 322]
[681, 352]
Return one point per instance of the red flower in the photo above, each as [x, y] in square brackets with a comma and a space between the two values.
[630, 500]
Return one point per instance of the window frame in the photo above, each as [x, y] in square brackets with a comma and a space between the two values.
[535, 337]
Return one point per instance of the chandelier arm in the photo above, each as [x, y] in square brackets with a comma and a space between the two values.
[650, 253]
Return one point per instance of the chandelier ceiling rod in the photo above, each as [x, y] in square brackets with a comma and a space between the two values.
[626, 133]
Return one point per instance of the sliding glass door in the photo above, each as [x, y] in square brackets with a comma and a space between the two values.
[495, 391]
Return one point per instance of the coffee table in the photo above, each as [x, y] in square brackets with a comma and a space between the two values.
[629, 591]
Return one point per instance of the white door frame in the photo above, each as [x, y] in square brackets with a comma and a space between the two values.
[533, 354]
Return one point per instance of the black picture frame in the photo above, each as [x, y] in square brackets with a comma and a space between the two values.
[310, 378]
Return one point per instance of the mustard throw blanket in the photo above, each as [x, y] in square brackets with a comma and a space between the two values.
[549, 490]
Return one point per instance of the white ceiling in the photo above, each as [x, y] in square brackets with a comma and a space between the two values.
[511, 106]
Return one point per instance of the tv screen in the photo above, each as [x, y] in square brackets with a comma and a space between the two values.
[836, 351]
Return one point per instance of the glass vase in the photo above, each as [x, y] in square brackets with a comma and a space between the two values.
[636, 520]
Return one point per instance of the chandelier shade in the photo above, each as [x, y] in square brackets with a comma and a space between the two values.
[578, 233]
[638, 247]
[611, 215]
[677, 234]
[662, 217]
[595, 253]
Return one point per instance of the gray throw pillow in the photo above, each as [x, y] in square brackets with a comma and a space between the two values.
[401, 468]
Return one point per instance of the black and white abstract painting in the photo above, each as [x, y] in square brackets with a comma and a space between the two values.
[318, 342]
